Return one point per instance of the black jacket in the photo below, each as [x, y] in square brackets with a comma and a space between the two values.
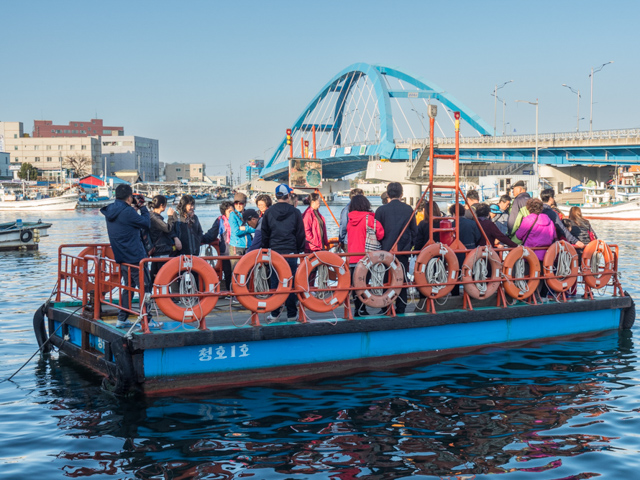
[124, 226]
[469, 233]
[161, 234]
[190, 233]
[561, 230]
[423, 233]
[282, 229]
[394, 216]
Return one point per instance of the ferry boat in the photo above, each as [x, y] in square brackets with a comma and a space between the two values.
[21, 235]
[206, 342]
[600, 204]
[103, 197]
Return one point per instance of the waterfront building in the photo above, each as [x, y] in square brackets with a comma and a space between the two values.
[218, 180]
[50, 155]
[4, 164]
[194, 172]
[131, 152]
[92, 128]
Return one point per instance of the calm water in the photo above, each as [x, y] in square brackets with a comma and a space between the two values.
[564, 410]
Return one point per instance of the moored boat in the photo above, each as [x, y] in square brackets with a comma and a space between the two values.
[600, 204]
[21, 235]
[205, 342]
[14, 203]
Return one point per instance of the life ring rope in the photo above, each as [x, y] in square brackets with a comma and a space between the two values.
[324, 300]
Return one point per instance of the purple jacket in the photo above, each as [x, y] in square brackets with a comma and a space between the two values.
[543, 233]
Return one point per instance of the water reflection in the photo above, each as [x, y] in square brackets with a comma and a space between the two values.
[501, 411]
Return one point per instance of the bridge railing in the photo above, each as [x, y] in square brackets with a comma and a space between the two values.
[546, 137]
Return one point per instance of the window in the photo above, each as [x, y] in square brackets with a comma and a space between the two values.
[53, 130]
[74, 131]
[16, 158]
[15, 135]
[71, 147]
[36, 147]
[66, 131]
[49, 159]
[106, 132]
[83, 147]
[59, 159]
[60, 147]
[37, 159]
[178, 169]
[15, 147]
[199, 170]
[75, 124]
[82, 124]
[48, 147]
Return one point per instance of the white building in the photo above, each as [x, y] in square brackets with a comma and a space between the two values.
[48, 154]
[131, 152]
[218, 180]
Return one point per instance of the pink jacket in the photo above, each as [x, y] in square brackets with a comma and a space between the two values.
[543, 233]
[357, 232]
[314, 237]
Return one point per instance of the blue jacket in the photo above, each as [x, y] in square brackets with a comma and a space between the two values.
[124, 226]
[344, 221]
[257, 237]
[239, 238]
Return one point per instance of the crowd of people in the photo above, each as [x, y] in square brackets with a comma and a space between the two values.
[137, 233]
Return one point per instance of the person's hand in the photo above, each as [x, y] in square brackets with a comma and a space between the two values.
[579, 244]
[243, 228]
[170, 211]
[341, 247]
[177, 243]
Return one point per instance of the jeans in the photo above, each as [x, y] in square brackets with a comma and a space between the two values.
[292, 299]
[125, 298]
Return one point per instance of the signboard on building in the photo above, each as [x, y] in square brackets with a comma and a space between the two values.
[363, 149]
[14, 168]
[305, 173]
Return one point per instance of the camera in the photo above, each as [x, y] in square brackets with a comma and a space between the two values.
[138, 200]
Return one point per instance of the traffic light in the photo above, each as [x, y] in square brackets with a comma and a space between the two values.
[289, 139]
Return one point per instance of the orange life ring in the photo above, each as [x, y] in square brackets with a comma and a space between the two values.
[243, 280]
[470, 260]
[340, 270]
[599, 279]
[426, 255]
[534, 272]
[170, 271]
[565, 283]
[396, 279]
[78, 266]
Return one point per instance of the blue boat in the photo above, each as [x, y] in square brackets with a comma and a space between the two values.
[206, 340]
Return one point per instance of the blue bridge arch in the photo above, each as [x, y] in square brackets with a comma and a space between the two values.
[342, 159]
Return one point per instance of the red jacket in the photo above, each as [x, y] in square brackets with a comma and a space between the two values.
[314, 237]
[357, 232]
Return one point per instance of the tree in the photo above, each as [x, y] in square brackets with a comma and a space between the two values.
[79, 163]
[28, 172]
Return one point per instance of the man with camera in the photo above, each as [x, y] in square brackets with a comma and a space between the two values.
[126, 218]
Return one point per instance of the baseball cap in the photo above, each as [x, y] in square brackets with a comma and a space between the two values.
[495, 209]
[283, 190]
[249, 213]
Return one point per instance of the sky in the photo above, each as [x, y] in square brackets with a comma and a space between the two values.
[219, 82]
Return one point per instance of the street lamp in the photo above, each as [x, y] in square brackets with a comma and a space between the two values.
[591, 76]
[421, 118]
[504, 104]
[536, 157]
[495, 103]
[577, 92]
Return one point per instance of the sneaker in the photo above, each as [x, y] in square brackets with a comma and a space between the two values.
[361, 313]
[272, 318]
[123, 324]
[155, 325]
[293, 319]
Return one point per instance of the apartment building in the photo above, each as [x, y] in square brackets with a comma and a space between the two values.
[184, 171]
[91, 128]
[130, 152]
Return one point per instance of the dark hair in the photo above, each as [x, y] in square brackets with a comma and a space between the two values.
[312, 197]
[473, 195]
[461, 211]
[394, 190]
[356, 191]
[184, 201]
[534, 205]
[384, 197]
[292, 196]
[158, 201]
[360, 203]
[482, 210]
[123, 191]
[264, 198]
[546, 194]
[505, 198]
[436, 210]
[224, 206]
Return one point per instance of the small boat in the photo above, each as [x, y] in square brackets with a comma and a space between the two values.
[600, 204]
[18, 203]
[102, 198]
[21, 235]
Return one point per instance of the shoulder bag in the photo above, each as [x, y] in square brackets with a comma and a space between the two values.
[371, 243]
